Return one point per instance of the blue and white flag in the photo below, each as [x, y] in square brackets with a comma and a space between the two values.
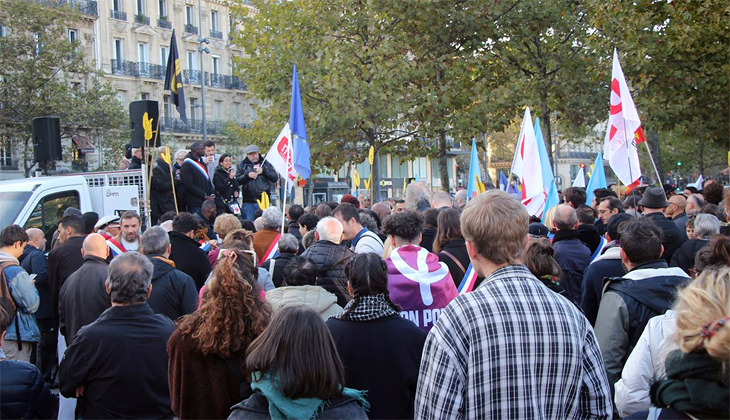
[299, 133]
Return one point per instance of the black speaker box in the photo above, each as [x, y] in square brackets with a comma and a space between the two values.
[47, 139]
[137, 109]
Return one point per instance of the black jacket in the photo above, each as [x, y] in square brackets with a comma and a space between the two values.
[429, 235]
[224, 188]
[162, 199]
[121, 359]
[135, 163]
[62, 262]
[589, 235]
[173, 292]
[573, 256]
[603, 267]
[684, 257]
[83, 297]
[382, 356]
[189, 258]
[672, 238]
[330, 259]
[457, 248]
[197, 185]
[35, 262]
[281, 262]
[252, 188]
[208, 224]
[23, 392]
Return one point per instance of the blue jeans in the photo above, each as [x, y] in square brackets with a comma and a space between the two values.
[248, 209]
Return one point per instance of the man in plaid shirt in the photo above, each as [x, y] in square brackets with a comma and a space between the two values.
[512, 348]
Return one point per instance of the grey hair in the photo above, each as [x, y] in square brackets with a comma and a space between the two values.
[367, 221]
[460, 196]
[330, 229]
[698, 200]
[271, 218]
[181, 153]
[565, 217]
[155, 241]
[440, 199]
[130, 275]
[288, 243]
[258, 224]
[706, 225]
[416, 194]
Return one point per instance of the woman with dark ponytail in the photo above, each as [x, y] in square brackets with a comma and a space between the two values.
[380, 349]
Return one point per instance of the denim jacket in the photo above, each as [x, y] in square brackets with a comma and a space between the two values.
[26, 299]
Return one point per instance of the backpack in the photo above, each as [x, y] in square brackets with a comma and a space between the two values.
[6, 299]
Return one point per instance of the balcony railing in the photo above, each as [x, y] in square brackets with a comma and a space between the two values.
[164, 23]
[225, 82]
[119, 15]
[195, 126]
[142, 19]
[191, 29]
[135, 69]
[87, 7]
[192, 77]
[216, 34]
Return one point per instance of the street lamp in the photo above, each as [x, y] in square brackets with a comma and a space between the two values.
[201, 49]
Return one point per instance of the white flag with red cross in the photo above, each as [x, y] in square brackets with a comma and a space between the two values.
[526, 165]
[624, 130]
[281, 157]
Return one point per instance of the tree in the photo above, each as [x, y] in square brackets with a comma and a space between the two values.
[43, 73]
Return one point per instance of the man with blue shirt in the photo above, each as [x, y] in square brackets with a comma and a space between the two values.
[362, 239]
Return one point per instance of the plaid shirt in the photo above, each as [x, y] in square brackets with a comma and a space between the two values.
[512, 349]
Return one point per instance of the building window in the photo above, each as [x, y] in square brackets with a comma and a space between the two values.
[118, 50]
[235, 111]
[420, 166]
[73, 35]
[189, 15]
[192, 61]
[217, 106]
[214, 25]
[231, 65]
[193, 109]
[399, 169]
[162, 8]
[117, 5]
[6, 153]
[141, 9]
[164, 53]
[121, 96]
[144, 96]
[216, 67]
[143, 52]
[166, 106]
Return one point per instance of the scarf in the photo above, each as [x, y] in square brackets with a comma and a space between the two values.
[366, 308]
[696, 383]
[281, 407]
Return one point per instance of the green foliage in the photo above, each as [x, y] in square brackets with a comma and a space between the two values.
[43, 73]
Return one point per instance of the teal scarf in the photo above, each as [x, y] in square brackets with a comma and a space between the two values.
[281, 407]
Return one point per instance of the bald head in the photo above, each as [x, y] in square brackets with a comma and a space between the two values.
[161, 150]
[565, 218]
[460, 198]
[95, 245]
[381, 210]
[441, 199]
[677, 203]
[36, 238]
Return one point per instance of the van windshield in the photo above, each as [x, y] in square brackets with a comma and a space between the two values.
[11, 203]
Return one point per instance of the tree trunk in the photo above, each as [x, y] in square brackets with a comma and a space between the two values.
[443, 162]
[374, 170]
[702, 158]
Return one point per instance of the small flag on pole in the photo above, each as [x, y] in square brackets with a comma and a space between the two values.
[471, 190]
[580, 179]
[598, 179]
[299, 133]
[173, 79]
[280, 157]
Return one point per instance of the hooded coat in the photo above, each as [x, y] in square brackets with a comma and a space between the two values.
[313, 297]
[330, 259]
[162, 199]
[607, 265]
[189, 258]
[173, 292]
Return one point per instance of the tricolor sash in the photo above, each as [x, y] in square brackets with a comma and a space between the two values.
[272, 252]
[467, 283]
[115, 247]
[203, 170]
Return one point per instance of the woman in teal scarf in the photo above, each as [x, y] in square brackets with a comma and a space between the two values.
[296, 373]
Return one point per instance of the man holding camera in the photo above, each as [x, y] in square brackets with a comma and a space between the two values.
[256, 176]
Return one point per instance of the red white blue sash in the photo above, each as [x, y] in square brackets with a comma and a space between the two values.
[115, 247]
[467, 283]
[272, 252]
[203, 170]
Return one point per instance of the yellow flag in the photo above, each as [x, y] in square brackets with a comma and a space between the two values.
[264, 202]
[480, 186]
[367, 182]
[405, 184]
[728, 158]
[147, 125]
[356, 178]
[166, 155]
[371, 155]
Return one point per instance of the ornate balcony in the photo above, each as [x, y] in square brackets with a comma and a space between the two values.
[216, 34]
[142, 19]
[119, 15]
[164, 23]
[191, 29]
[135, 69]
[86, 7]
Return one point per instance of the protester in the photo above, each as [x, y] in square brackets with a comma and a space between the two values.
[351, 199]
[255, 176]
[136, 161]
[697, 384]
[186, 252]
[690, 227]
[122, 353]
[540, 260]
[299, 289]
[628, 302]
[417, 281]
[330, 257]
[308, 239]
[34, 262]
[654, 202]
[294, 213]
[712, 193]
[206, 217]
[695, 202]
[90, 219]
[173, 292]
[705, 225]
[208, 349]
[441, 200]
[196, 178]
[460, 198]
[162, 183]
[418, 197]
[574, 196]
[242, 240]
[381, 351]
[126, 158]
[382, 210]
[177, 171]
[430, 226]
[19, 297]
[226, 186]
[676, 211]
[128, 237]
[606, 265]
[362, 239]
[400, 206]
[210, 158]
[83, 297]
[609, 207]
[587, 231]
[288, 247]
[484, 359]
[108, 226]
[65, 259]
[297, 373]
[23, 392]
[572, 255]
[264, 240]
[224, 224]
[450, 245]
[322, 211]
[58, 239]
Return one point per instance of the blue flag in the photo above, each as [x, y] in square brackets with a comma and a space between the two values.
[173, 79]
[548, 179]
[299, 132]
[471, 189]
[598, 179]
[503, 181]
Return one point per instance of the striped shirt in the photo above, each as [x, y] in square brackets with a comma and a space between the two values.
[512, 349]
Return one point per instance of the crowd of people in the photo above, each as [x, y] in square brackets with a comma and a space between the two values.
[618, 307]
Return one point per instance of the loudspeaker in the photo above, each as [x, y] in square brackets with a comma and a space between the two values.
[140, 124]
[47, 139]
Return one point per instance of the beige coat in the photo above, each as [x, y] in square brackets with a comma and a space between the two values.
[313, 297]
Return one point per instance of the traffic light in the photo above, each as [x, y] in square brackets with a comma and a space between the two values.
[679, 163]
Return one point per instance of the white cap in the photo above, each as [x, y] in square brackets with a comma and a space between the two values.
[105, 221]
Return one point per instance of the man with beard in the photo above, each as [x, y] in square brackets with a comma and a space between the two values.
[128, 238]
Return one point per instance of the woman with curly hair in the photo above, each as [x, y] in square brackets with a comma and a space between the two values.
[381, 351]
[208, 348]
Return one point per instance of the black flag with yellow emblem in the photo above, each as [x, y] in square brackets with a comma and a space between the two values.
[173, 79]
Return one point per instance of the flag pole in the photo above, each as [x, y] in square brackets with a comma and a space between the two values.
[651, 158]
[290, 143]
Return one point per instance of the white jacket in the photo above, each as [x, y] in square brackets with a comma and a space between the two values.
[645, 365]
